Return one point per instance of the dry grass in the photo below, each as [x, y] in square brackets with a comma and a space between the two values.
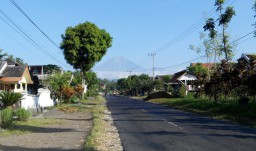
[103, 136]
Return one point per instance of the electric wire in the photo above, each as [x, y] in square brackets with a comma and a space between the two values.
[24, 47]
[27, 36]
[22, 11]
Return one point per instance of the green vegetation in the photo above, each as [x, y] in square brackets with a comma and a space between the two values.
[230, 110]
[156, 95]
[23, 127]
[9, 98]
[23, 114]
[6, 118]
[84, 45]
[98, 129]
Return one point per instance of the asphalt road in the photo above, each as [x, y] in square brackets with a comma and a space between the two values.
[145, 126]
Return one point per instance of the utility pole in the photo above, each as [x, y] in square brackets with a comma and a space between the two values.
[153, 55]
[130, 71]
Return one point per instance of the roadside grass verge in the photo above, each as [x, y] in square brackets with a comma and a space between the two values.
[229, 110]
[97, 109]
[24, 127]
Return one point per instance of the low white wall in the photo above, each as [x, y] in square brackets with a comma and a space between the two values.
[42, 99]
[28, 101]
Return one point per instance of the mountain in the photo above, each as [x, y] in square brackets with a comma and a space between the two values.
[116, 68]
[120, 67]
[119, 64]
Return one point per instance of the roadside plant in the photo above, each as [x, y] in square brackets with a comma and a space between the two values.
[6, 118]
[23, 114]
[9, 98]
[68, 92]
[183, 90]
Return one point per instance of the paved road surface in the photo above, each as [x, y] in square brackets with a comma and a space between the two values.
[146, 126]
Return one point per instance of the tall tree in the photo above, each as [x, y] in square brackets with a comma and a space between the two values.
[84, 45]
[51, 68]
[223, 21]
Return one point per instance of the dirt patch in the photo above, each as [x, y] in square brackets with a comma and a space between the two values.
[69, 135]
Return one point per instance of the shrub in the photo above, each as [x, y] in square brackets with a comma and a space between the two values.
[23, 114]
[183, 90]
[156, 95]
[6, 118]
[68, 92]
[9, 98]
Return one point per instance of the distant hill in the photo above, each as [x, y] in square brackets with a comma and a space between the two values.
[119, 64]
[119, 67]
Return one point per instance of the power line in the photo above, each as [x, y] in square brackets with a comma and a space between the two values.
[205, 55]
[21, 44]
[181, 63]
[189, 30]
[20, 9]
[28, 37]
[243, 36]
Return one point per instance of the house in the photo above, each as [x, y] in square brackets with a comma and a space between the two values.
[248, 58]
[14, 78]
[183, 77]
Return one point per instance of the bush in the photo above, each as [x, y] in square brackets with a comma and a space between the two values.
[9, 98]
[183, 90]
[157, 95]
[74, 99]
[6, 118]
[23, 114]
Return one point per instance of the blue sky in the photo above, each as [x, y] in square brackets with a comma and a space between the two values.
[138, 27]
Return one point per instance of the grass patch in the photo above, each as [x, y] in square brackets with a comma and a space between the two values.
[24, 127]
[230, 110]
[98, 107]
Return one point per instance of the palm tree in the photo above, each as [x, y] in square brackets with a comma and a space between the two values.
[2, 56]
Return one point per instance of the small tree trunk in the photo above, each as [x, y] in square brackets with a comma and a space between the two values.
[60, 96]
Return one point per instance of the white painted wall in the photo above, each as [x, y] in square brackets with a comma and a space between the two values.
[33, 101]
[44, 99]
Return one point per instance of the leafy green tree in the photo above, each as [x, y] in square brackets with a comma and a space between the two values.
[57, 82]
[146, 84]
[159, 85]
[166, 78]
[91, 78]
[9, 98]
[123, 86]
[51, 68]
[84, 45]
[209, 48]
[223, 20]
[198, 70]
[20, 61]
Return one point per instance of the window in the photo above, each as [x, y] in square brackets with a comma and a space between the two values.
[18, 86]
[23, 86]
[1, 86]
